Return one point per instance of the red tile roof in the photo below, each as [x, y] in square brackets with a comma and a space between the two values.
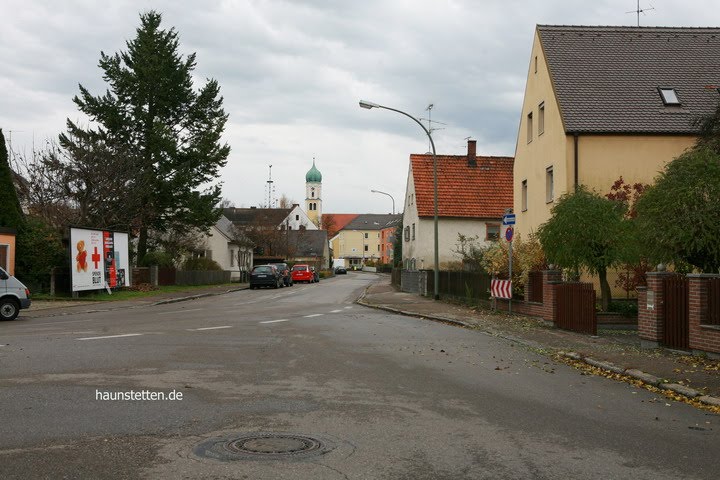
[339, 220]
[482, 191]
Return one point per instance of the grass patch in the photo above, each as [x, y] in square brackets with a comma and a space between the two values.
[127, 294]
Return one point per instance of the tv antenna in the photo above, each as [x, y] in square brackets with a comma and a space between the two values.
[270, 190]
[639, 10]
[430, 123]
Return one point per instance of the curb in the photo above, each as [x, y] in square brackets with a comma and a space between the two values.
[646, 378]
[195, 297]
[611, 367]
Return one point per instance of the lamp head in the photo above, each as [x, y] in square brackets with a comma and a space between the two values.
[368, 105]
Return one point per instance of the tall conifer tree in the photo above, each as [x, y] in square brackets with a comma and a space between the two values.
[10, 212]
[172, 132]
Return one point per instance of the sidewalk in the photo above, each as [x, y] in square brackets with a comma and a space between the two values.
[53, 308]
[613, 353]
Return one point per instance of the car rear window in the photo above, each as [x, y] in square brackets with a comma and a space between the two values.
[262, 270]
[298, 268]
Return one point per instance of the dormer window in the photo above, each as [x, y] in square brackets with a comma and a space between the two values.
[669, 96]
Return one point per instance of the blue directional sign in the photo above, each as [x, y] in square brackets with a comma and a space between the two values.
[509, 219]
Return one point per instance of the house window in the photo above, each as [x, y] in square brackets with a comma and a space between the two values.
[366, 235]
[413, 231]
[407, 234]
[492, 231]
[232, 258]
[669, 96]
[524, 196]
[366, 248]
[535, 63]
[549, 185]
[297, 218]
[529, 127]
[541, 118]
[378, 248]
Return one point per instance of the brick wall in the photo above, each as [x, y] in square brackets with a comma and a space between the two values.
[533, 309]
[651, 316]
[550, 279]
[702, 337]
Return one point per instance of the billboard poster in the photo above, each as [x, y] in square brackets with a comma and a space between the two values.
[98, 259]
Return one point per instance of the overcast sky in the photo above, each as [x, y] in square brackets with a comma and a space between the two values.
[292, 73]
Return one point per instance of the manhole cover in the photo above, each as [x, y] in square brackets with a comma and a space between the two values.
[263, 445]
[276, 444]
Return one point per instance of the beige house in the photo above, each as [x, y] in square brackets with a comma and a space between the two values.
[473, 194]
[605, 102]
[361, 240]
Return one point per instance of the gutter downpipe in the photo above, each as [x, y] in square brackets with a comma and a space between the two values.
[575, 141]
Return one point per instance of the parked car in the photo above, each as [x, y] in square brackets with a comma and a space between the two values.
[302, 273]
[265, 276]
[285, 272]
[340, 271]
[14, 296]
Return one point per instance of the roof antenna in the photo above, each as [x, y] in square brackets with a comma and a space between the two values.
[639, 10]
[430, 122]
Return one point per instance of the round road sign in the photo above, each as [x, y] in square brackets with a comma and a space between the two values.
[509, 234]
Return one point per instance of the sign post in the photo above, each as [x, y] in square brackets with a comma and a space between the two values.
[509, 220]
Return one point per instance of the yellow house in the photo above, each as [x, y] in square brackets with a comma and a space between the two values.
[7, 249]
[605, 102]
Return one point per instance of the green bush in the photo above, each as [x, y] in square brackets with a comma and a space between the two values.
[624, 308]
[201, 264]
[161, 259]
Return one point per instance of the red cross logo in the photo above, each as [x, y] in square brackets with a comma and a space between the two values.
[95, 258]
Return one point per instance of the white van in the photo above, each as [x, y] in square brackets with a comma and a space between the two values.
[13, 296]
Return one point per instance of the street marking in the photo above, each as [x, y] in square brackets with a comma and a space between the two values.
[314, 315]
[347, 308]
[180, 311]
[112, 336]
[208, 328]
[275, 321]
[335, 311]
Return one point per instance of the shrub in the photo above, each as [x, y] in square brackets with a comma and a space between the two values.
[159, 258]
[201, 264]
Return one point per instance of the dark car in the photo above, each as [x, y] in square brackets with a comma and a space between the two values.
[340, 271]
[265, 276]
[285, 272]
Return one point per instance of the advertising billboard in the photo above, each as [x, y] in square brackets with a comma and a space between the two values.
[98, 259]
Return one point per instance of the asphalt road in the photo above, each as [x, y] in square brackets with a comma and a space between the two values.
[381, 396]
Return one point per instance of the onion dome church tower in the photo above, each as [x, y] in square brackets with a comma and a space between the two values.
[313, 195]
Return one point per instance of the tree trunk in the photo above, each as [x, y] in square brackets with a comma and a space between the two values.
[142, 244]
[604, 289]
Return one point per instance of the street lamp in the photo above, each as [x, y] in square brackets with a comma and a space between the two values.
[436, 276]
[391, 198]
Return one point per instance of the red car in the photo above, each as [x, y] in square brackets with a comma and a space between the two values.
[302, 273]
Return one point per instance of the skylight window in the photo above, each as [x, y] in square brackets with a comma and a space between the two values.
[669, 96]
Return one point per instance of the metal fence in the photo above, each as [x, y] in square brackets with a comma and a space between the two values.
[460, 284]
[676, 331]
[202, 277]
[535, 287]
[576, 307]
[713, 313]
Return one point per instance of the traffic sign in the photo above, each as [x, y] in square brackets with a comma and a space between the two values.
[509, 234]
[501, 288]
[509, 219]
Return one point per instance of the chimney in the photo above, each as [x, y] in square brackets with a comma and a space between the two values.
[471, 155]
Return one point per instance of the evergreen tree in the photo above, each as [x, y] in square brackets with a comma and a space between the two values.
[171, 133]
[10, 212]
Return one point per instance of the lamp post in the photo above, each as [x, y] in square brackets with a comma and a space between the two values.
[391, 198]
[436, 276]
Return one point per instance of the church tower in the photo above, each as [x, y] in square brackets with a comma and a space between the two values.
[313, 195]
